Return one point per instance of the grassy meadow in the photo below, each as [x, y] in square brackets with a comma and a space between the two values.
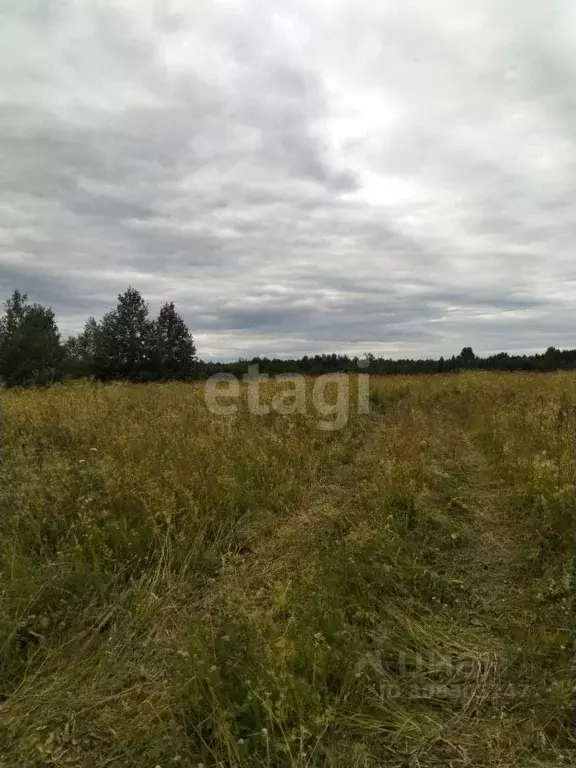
[179, 588]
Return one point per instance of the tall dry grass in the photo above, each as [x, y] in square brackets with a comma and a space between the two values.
[182, 588]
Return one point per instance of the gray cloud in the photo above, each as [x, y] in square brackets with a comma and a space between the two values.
[297, 178]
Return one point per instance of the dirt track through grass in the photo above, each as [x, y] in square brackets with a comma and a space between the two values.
[504, 601]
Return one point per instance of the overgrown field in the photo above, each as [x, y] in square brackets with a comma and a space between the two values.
[181, 589]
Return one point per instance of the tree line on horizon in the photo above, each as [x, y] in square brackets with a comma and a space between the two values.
[127, 344]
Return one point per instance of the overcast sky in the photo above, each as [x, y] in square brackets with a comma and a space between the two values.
[299, 176]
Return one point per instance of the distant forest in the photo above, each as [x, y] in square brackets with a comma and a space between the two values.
[127, 344]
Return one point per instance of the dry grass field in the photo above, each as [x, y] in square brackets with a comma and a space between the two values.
[179, 588]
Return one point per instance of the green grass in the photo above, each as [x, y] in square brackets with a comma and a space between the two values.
[178, 588]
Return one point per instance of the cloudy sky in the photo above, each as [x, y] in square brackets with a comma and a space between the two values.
[297, 175]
